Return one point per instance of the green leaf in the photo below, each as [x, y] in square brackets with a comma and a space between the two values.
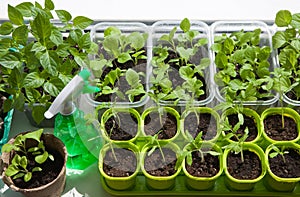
[124, 57]
[38, 113]
[33, 80]
[15, 16]
[279, 39]
[11, 170]
[41, 158]
[36, 135]
[56, 36]
[20, 35]
[221, 60]
[283, 18]
[136, 40]
[85, 41]
[132, 77]
[82, 22]
[296, 44]
[63, 15]
[10, 61]
[54, 86]
[25, 8]
[27, 176]
[6, 28]
[48, 63]
[49, 4]
[186, 72]
[7, 148]
[41, 27]
[185, 25]
[296, 21]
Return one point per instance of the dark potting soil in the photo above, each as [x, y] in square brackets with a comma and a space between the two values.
[50, 170]
[209, 167]
[207, 124]
[174, 75]
[119, 162]
[121, 83]
[248, 122]
[157, 165]
[123, 126]
[166, 126]
[273, 128]
[249, 169]
[290, 168]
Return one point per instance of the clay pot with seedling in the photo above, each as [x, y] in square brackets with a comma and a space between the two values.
[34, 164]
[283, 164]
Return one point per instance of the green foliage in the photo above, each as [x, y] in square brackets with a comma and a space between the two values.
[38, 57]
[237, 146]
[195, 144]
[286, 41]
[120, 49]
[175, 54]
[242, 66]
[277, 151]
[19, 164]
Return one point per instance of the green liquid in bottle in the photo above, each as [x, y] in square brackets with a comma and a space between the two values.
[83, 141]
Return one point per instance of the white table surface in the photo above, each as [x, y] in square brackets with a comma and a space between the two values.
[169, 9]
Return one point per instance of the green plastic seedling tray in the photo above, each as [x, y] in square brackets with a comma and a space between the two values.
[181, 189]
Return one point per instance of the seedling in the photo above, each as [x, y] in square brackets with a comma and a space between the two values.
[19, 165]
[120, 49]
[153, 140]
[39, 57]
[174, 55]
[195, 144]
[278, 151]
[287, 43]
[282, 84]
[237, 146]
[243, 66]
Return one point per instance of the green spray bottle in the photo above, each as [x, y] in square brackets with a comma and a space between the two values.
[82, 140]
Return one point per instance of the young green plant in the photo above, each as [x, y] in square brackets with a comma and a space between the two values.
[278, 151]
[19, 165]
[286, 41]
[38, 56]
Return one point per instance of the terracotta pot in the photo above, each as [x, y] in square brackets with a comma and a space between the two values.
[54, 188]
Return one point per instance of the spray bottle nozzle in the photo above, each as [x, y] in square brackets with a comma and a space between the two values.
[78, 85]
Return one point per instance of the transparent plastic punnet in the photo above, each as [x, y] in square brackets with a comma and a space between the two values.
[162, 28]
[228, 27]
[126, 28]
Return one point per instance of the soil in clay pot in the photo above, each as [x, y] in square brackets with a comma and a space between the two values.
[209, 167]
[273, 128]
[290, 168]
[166, 126]
[248, 122]
[50, 170]
[123, 126]
[248, 170]
[207, 124]
[157, 165]
[119, 162]
[121, 83]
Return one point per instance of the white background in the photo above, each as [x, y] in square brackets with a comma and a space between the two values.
[140, 10]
